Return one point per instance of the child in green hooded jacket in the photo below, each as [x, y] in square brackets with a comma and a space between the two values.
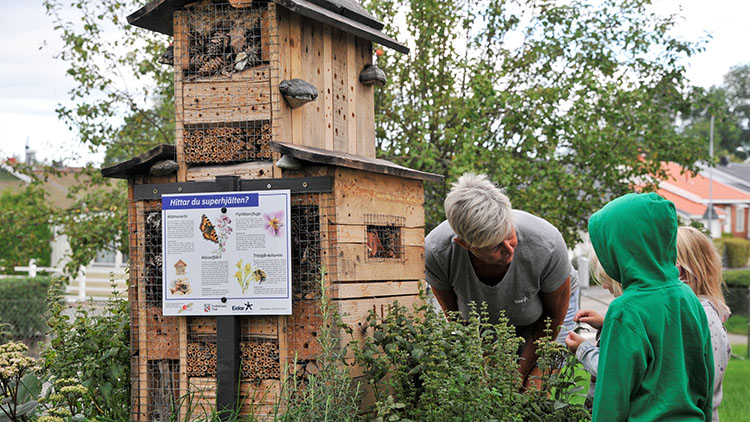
[655, 361]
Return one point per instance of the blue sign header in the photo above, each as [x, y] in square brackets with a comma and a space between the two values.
[228, 200]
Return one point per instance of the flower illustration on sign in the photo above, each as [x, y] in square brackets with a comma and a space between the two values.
[223, 226]
[243, 275]
[273, 223]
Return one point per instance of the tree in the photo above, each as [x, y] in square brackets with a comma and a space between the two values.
[737, 85]
[122, 102]
[25, 233]
[565, 104]
[122, 99]
[697, 122]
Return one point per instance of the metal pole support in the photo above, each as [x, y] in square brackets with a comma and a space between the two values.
[227, 341]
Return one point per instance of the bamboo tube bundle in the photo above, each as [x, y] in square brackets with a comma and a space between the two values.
[226, 144]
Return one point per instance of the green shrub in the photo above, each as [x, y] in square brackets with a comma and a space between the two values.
[737, 278]
[330, 394]
[423, 367]
[737, 251]
[92, 349]
[720, 248]
[22, 306]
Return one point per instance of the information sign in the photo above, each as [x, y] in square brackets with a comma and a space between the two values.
[227, 253]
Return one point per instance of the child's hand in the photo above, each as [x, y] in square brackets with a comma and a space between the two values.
[573, 340]
[590, 317]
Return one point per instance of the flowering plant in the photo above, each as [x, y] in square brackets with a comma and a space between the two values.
[64, 400]
[18, 384]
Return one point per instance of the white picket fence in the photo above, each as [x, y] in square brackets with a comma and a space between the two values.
[93, 282]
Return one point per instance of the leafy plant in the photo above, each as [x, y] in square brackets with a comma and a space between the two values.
[329, 395]
[23, 304]
[18, 384]
[65, 400]
[559, 385]
[424, 367]
[93, 349]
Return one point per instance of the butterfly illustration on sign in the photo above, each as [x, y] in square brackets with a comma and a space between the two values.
[208, 230]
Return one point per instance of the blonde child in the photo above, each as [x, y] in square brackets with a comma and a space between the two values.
[700, 268]
[586, 352]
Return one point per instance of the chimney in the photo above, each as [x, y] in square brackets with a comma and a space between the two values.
[30, 154]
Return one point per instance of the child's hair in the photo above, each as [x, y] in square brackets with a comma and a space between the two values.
[702, 265]
[600, 276]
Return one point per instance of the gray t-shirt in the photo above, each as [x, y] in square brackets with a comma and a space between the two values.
[540, 264]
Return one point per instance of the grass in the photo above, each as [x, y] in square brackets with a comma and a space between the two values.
[735, 405]
[737, 324]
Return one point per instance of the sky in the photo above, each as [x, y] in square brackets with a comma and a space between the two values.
[33, 82]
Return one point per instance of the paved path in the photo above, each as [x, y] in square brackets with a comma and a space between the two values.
[597, 298]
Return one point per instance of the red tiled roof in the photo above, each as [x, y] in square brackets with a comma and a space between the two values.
[698, 185]
[686, 205]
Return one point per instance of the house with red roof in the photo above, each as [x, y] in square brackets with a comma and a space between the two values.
[692, 195]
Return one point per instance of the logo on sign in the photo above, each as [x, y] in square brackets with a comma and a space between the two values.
[207, 307]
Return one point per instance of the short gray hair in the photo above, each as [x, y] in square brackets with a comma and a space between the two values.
[478, 211]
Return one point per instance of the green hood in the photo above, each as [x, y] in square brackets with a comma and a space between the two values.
[635, 238]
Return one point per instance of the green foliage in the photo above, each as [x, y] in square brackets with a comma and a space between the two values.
[721, 249]
[424, 367]
[737, 251]
[565, 104]
[92, 348]
[122, 102]
[25, 233]
[329, 395]
[22, 306]
[122, 99]
[65, 400]
[728, 104]
[18, 384]
[737, 278]
[97, 220]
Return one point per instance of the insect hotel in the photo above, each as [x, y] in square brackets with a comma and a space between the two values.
[271, 193]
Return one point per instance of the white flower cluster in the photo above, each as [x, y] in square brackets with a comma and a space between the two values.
[14, 361]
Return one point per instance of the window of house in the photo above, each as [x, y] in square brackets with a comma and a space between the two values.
[740, 220]
[105, 257]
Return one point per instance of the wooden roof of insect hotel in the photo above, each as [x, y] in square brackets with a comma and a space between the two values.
[345, 15]
[308, 155]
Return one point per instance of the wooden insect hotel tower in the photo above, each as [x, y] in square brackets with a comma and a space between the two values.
[273, 96]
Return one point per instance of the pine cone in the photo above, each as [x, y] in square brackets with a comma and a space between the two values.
[212, 66]
[198, 60]
[217, 44]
